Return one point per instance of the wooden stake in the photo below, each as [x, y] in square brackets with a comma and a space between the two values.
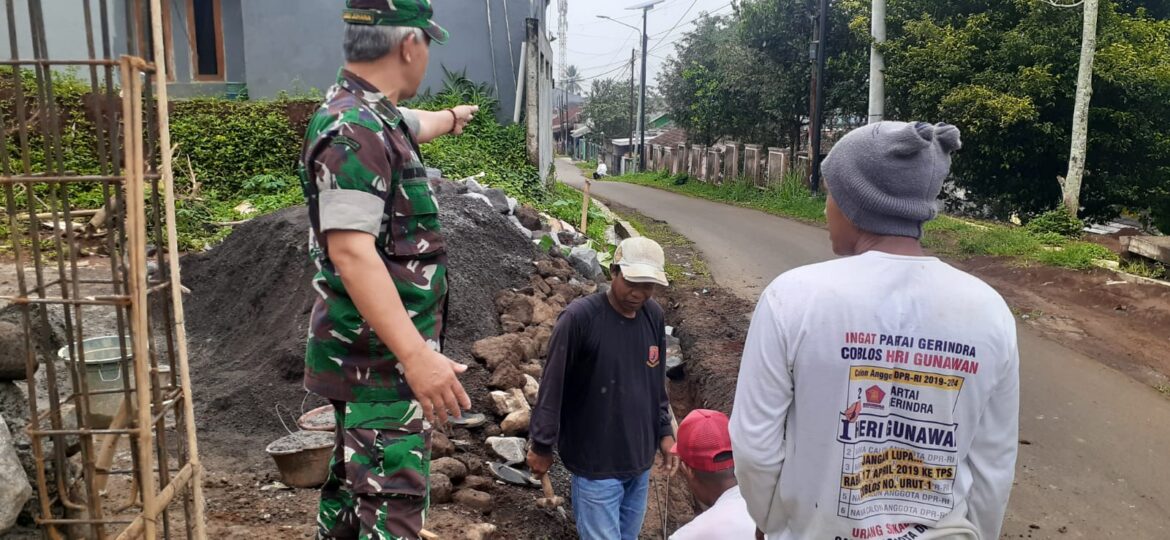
[585, 207]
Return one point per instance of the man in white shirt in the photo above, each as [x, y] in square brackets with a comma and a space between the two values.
[878, 396]
[601, 171]
[704, 447]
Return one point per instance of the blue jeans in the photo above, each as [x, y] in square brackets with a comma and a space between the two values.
[609, 509]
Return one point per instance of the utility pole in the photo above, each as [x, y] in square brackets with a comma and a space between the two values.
[877, 64]
[1071, 187]
[633, 55]
[642, 98]
[819, 108]
[645, 7]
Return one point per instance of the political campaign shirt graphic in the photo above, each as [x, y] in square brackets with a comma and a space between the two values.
[897, 427]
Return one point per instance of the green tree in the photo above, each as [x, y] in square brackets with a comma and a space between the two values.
[1004, 71]
[607, 109]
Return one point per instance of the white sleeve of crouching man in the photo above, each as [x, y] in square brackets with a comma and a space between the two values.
[763, 396]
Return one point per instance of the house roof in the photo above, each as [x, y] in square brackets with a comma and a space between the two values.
[671, 137]
[574, 115]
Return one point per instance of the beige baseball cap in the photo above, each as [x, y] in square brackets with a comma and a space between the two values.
[642, 261]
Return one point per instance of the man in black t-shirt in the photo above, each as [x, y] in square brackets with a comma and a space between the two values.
[602, 400]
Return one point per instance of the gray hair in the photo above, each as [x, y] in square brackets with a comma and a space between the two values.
[366, 43]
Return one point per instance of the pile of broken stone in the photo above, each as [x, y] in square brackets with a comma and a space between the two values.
[537, 226]
[527, 316]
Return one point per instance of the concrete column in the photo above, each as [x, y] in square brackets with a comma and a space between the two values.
[697, 155]
[777, 165]
[731, 162]
[751, 163]
[714, 169]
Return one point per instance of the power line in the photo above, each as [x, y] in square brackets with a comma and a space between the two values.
[662, 41]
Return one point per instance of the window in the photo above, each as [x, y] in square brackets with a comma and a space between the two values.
[141, 32]
[205, 39]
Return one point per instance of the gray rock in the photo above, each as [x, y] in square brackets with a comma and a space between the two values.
[476, 500]
[449, 467]
[15, 489]
[479, 197]
[473, 186]
[510, 449]
[434, 173]
[13, 354]
[498, 198]
[519, 227]
[512, 203]
[584, 261]
[441, 488]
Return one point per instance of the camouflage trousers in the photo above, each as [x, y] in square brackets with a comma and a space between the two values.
[378, 485]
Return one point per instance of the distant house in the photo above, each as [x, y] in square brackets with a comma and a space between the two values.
[260, 48]
[660, 121]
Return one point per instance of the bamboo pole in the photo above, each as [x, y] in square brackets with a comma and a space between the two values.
[165, 496]
[136, 235]
[179, 321]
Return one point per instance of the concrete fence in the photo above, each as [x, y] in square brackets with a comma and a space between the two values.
[727, 162]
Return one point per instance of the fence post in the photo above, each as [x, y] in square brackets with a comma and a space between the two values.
[680, 159]
[751, 163]
[713, 169]
[777, 165]
[731, 161]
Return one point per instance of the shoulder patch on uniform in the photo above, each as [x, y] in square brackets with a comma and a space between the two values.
[347, 142]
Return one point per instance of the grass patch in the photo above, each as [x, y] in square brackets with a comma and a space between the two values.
[952, 237]
[789, 199]
[587, 167]
[1152, 270]
[565, 205]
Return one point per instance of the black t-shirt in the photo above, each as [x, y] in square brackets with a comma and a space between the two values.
[602, 396]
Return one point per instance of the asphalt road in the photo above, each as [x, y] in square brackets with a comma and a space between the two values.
[1094, 457]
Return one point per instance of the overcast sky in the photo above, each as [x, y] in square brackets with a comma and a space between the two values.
[601, 48]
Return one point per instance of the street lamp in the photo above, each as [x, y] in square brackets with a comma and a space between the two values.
[645, 7]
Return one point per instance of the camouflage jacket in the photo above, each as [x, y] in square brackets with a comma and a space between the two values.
[361, 171]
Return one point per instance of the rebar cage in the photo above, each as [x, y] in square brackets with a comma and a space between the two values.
[131, 312]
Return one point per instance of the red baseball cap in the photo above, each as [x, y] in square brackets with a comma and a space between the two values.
[704, 443]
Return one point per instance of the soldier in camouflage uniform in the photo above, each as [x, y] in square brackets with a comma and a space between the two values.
[376, 328]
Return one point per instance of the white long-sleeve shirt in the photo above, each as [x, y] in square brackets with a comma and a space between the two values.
[878, 398]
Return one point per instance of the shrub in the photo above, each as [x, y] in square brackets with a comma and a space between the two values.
[1057, 221]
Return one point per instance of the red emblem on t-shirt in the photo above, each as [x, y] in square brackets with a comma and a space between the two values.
[653, 361]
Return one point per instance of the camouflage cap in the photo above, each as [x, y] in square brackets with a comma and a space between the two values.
[412, 13]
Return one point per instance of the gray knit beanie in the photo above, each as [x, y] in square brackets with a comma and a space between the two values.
[886, 176]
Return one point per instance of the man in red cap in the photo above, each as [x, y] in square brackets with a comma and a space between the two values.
[704, 447]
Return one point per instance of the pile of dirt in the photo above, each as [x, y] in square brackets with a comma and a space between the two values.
[248, 314]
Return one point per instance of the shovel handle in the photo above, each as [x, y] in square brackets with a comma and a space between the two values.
[547, 485]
